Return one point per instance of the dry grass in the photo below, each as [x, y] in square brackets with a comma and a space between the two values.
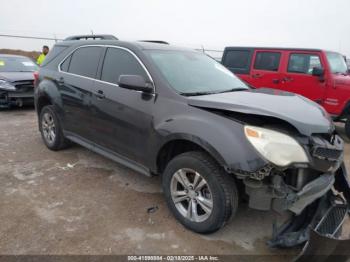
[31, 54]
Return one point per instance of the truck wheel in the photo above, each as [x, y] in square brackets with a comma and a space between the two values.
[347, 127]
[50, 128]
[201, 195]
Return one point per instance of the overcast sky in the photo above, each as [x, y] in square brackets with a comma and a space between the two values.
[212, 24]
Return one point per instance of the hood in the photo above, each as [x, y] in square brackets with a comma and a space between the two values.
[306, 116]
[17, 76]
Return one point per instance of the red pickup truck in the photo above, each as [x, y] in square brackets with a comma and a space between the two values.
[319, 75]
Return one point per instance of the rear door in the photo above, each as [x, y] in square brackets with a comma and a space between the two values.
[297, 75]
[122, 117]
[75, 84]
[266, 69]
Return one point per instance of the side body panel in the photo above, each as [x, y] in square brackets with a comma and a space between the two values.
[76, 93]
[312, 87]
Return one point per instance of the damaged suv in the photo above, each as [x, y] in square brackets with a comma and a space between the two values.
[177, 113]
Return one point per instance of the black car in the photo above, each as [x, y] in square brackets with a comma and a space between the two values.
[16, 80]
[177, 113]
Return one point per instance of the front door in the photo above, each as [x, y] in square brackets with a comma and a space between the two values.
[122, 118]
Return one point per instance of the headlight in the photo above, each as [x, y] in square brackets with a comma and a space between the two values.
[276, 147]
[6, 85]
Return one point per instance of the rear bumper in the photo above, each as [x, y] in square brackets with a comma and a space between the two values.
[324, 226]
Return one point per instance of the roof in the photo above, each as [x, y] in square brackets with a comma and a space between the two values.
[86, 37]
[137, 45]
[274, 48]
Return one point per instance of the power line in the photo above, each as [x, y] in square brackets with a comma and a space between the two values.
[31, 37]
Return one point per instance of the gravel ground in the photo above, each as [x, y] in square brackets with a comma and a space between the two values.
[77, 202]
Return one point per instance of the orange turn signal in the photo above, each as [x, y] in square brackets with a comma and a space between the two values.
[251, 133]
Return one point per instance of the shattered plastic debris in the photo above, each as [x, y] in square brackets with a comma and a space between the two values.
[152, 209]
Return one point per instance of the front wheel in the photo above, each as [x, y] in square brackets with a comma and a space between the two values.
[199, 192]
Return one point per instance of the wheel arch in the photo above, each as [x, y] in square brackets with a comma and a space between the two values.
[42, 101]
[181, 143]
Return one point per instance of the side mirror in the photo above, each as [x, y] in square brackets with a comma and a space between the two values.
[317, 71]
[135, 82]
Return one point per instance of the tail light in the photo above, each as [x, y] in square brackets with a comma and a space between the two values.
[36, 78]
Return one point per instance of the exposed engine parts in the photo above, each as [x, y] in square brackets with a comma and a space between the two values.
[275, 193]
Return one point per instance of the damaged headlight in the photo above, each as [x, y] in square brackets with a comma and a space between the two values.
[5, 85]
[278, 148]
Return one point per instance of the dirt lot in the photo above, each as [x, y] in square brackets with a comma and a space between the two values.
[77, 202]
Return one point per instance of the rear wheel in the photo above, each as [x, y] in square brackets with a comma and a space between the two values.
[50, 128]
[347, 127]
[199, 192]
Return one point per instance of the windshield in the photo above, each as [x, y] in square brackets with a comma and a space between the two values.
[17, 64]
[192, 73]
[337, 63]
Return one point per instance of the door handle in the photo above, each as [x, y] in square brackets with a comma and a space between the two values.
[100, 94]
[275, 81]
[256, 76]
[287, 79]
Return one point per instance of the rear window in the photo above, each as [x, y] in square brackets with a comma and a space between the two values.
[237, 59]
[55, 51]
[268, 61]
[84, 61]
[65, 64]
[303, 63]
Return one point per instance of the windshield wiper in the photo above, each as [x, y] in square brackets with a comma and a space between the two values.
[233, 90]
[202, 93]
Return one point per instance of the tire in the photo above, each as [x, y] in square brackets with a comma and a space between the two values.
[347, 127]
[50, 126]
[215, 202]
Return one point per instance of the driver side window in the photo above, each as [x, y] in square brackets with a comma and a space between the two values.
[303, 63]
[120, 62]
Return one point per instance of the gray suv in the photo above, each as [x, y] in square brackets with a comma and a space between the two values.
[177, 113]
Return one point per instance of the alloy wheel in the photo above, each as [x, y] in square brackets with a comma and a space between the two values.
[191, 195]
[48, 128]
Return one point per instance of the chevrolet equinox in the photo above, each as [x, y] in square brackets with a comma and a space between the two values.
[177, 113]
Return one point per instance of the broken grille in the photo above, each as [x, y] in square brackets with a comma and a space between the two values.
[325, 153]
[332, 221]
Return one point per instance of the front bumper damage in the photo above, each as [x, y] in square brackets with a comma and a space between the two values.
[21, 96]
[323, 226]
[8, 99]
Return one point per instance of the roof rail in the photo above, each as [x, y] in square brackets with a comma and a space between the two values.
[89, 37]
[155, 41]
